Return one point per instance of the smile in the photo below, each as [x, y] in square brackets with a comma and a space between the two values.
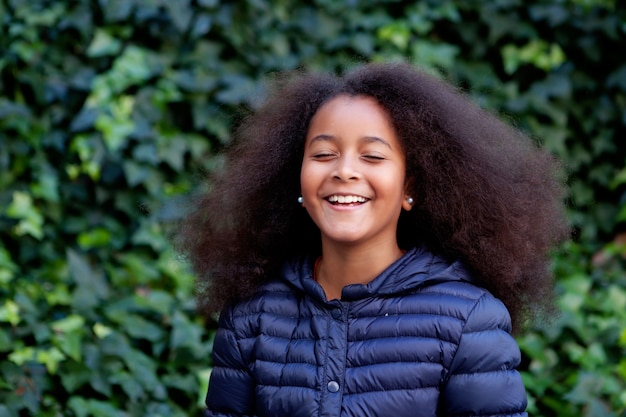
[346, 199]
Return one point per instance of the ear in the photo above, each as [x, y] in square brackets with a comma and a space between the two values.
[407, 203]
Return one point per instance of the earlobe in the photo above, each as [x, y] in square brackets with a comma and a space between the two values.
[407, 203]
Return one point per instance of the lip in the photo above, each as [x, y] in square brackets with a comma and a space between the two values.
[344, 194]
[354, 200]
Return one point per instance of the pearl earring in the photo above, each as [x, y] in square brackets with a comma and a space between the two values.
[300, 200]
[410, 200]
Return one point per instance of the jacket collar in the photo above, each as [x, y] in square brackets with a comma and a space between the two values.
[416, 268]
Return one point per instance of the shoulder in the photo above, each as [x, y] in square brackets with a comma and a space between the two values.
[475, 306]
[274, 298]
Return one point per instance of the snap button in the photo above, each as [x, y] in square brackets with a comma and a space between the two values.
[333, 386]
[336, 313]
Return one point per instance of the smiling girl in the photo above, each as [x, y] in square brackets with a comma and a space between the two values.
[371, 243]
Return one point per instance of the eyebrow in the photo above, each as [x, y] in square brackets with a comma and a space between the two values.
[368, 139]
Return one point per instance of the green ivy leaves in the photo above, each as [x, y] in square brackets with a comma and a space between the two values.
[112, 112]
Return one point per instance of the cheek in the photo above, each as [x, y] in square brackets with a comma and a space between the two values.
[306, 182]
[392, 184]
[310, 174]
[303, 177]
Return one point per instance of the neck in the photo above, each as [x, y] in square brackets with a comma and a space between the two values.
[344, 265]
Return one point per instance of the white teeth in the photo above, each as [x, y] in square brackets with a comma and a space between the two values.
[346, 199]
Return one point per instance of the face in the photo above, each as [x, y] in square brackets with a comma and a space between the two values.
[353, 173]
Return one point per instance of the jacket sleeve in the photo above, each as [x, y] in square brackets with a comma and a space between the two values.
[231, 387]
[483, 379]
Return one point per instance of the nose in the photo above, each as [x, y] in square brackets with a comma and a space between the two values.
[346, 169]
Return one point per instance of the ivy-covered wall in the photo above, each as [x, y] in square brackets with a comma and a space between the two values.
[111, 112]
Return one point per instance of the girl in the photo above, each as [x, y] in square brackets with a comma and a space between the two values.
[365, 243]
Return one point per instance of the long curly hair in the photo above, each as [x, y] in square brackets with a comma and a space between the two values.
[484, 192]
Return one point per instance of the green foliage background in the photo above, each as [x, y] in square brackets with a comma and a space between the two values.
[111, 111]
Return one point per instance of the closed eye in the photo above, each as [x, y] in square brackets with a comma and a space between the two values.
[322, 156]
[373, 157]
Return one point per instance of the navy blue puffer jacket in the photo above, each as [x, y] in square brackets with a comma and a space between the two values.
[419, 340]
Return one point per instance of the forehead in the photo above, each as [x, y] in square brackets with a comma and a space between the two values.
[352, 113]
[358, 103]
